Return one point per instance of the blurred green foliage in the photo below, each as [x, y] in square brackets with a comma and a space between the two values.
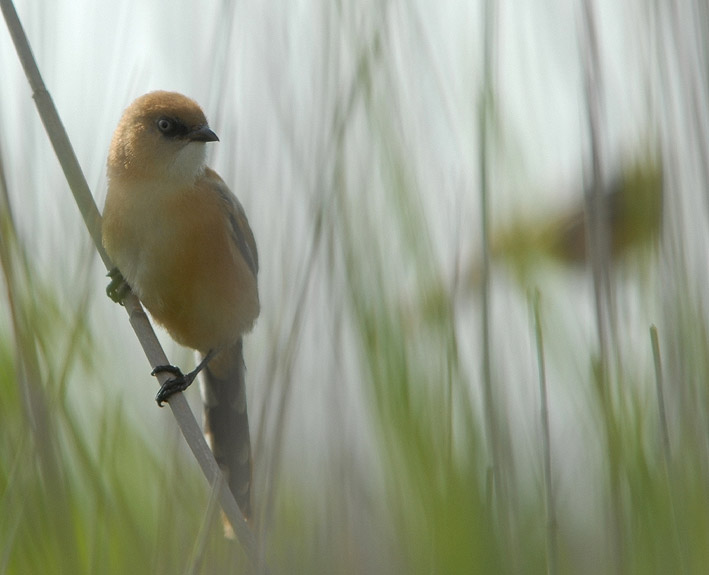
[96, 497]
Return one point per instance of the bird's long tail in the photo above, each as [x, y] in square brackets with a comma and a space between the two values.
[226, 422]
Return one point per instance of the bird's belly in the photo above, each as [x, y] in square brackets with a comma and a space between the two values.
[202, 309]
[191, 277]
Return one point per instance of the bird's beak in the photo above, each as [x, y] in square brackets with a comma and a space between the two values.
[202, 134]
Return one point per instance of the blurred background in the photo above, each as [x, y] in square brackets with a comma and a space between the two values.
[469, 215]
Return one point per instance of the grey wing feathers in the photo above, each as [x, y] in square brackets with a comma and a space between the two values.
[241, 231]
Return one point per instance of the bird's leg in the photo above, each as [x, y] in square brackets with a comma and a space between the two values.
[117, 288]
[180, 381]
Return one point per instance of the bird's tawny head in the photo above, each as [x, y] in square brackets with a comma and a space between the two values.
[160, 135]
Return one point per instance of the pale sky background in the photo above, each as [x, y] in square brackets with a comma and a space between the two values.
[270, 77]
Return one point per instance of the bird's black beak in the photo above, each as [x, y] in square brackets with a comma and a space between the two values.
[202, 134]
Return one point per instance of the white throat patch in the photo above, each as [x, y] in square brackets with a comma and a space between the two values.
[189, 162]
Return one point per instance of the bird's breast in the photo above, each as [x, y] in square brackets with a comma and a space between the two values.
[175, 249]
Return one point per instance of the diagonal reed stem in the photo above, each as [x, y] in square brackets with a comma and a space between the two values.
[137, 317]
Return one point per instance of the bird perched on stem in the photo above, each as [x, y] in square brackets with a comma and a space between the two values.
[181, 241]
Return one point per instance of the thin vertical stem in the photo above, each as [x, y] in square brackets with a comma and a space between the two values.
[666, 452]
[598, 250]
[483, 119]
[551, 526]
[664, 430]
[497, 441]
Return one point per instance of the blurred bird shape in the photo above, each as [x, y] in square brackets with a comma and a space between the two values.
[632, 208]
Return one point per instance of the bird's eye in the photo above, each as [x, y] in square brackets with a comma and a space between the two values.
[164, 125]
[171, 128]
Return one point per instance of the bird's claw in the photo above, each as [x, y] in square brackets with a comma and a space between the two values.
[117, 288]
[179, 382]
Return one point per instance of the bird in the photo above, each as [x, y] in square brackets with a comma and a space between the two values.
[632, 211]
[181, 241]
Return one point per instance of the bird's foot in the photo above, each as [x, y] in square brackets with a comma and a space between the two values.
[117, 288]
[179, 382]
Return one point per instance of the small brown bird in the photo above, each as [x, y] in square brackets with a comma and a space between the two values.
[632, 208]
[181, 241]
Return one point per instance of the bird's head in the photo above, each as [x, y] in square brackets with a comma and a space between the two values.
[160, 135]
